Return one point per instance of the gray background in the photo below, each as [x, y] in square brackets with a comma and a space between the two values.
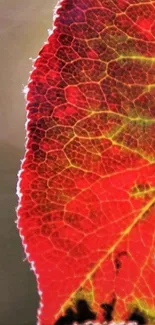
[23, 31]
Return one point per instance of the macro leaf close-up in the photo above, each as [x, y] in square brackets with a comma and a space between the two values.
[86, 187]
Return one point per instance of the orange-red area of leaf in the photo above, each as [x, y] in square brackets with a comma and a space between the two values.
[86, 213]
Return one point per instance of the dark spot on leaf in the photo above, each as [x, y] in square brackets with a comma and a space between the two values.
[67, 319]
[138, 317]
[84, 312]
[118, 260]
[108, 310]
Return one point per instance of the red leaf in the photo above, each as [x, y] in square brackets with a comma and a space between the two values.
[86, 212]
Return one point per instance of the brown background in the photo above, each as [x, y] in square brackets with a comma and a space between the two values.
[23, 31]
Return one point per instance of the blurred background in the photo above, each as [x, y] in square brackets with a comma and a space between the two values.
[23, 31]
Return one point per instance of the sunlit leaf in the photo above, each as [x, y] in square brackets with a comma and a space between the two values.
[86, 212]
